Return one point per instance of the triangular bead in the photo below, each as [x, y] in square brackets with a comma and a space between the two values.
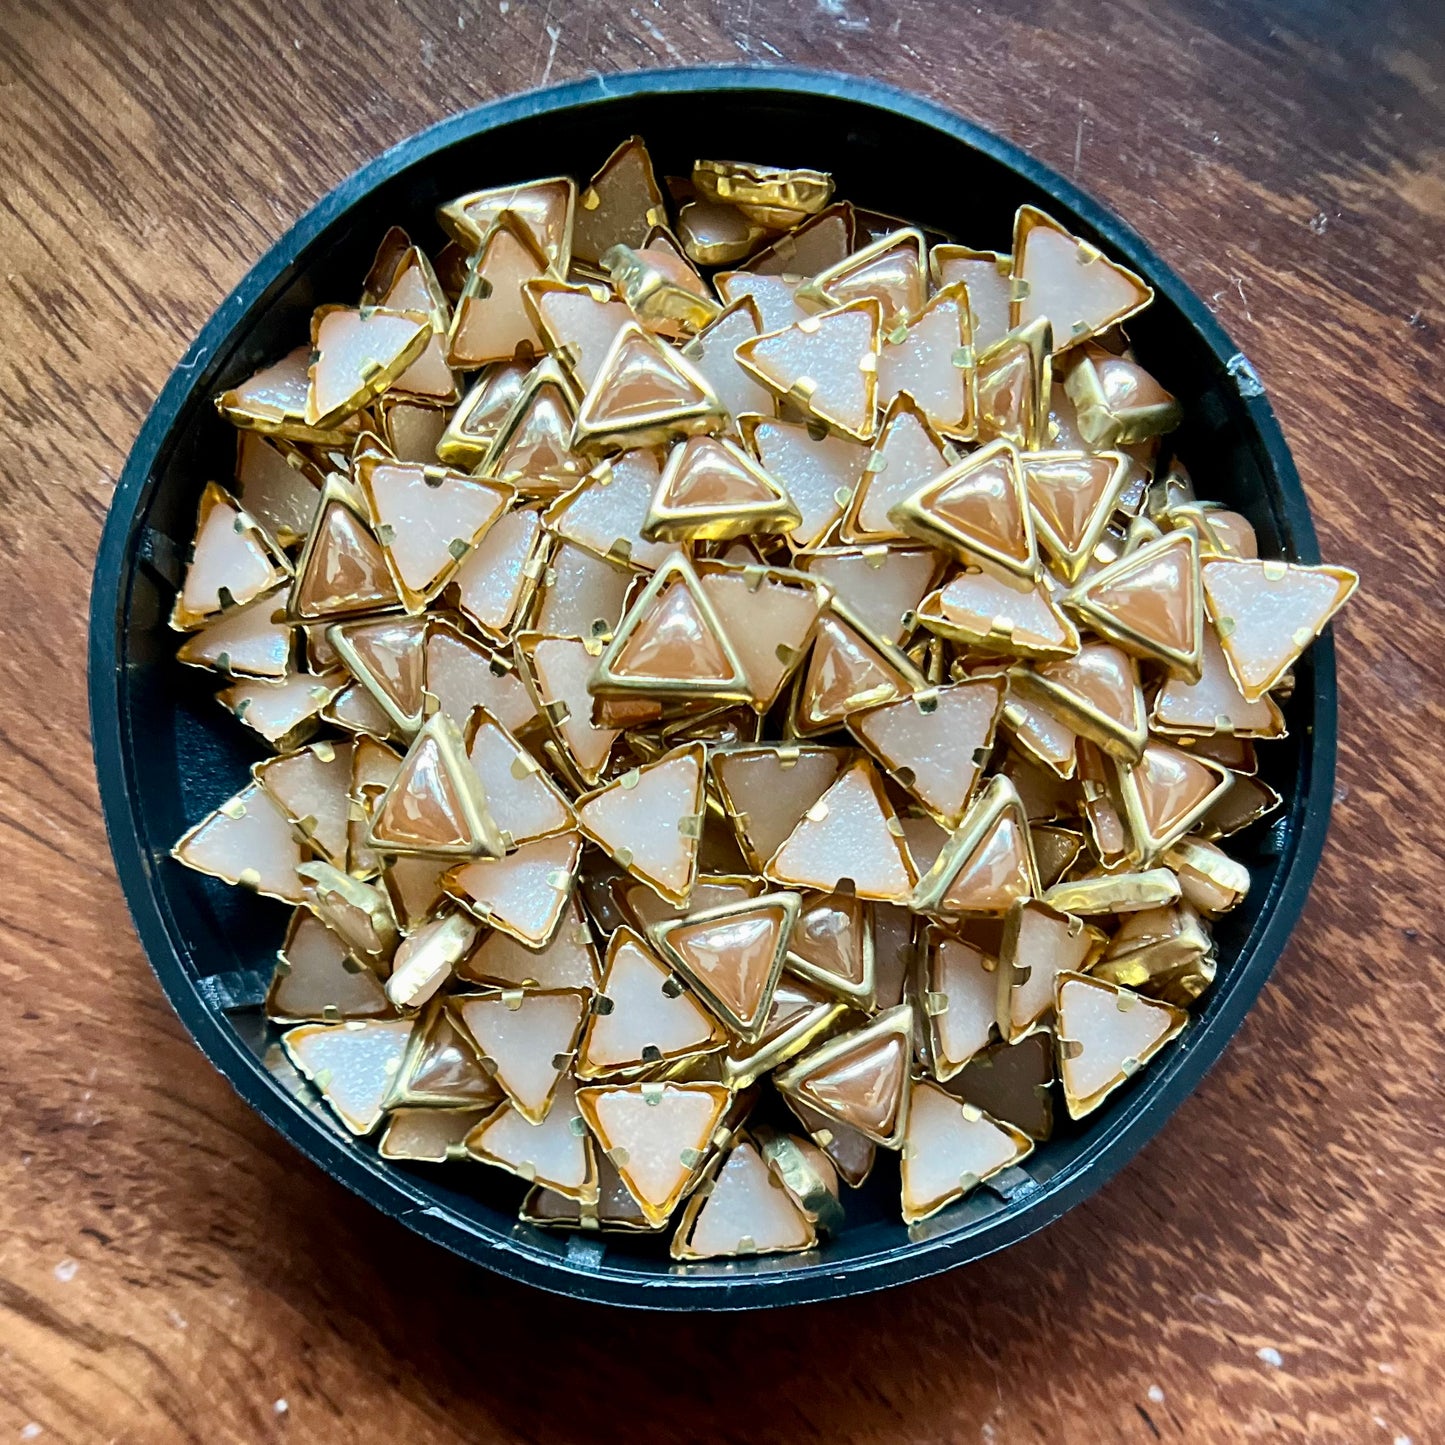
[712, 491]
[1213, 706]
[499, 575]
[353, 1065]
[889, 271]
[819, 473]
[233, 562]
[604, 513]
[880, 587]
[578, 323]
[386, 656]
[532, 449]
[471, 427]
[1105, 1035]
[1013, 382]
[523, 801]
[560, 669]
[935, 743]
[906, 454]
[285, 713]
[988, 863]
[524, 894]
[846, 673]
[958, 1001]
[311, 787]
[568, 961]
[1095, 693]
[712, 352]
[316, 980]
[774, 297]
[733, 956]
[358, 354]
[247, 841]
[744, 1213]
[273, 402]
[341, 570]
[463, 674]
[528, 1039]
[277, 484]
[1072, 495]
[580, 595]
[986, 274]
[1039, 943]
[490, 322]
[827, 365]
[1068, 281]
[860, 1078]
[766, 789]
[649, 820]
[442, 1070]
[249, 642]
[949, 1149]
[978, 511]
[657, 1135]
[1167, 793]
[999, 615]
[832, 947]
[1013, 1083]
[556, 1153]
[851, 832]
[545, 207]
[930, 358]
[1149, 602]
[1267, 613]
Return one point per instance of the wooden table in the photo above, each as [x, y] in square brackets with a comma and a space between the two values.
[1272, 1267]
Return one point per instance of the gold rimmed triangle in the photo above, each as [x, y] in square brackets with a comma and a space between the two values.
[248, 841]
[525, 894]
[579, 323]
[658, 1135]
[463, 674]
[826, 365]
[711, 490]
[1004, 616]
[427, 519]
[1105, 1035]
[878, 585]
[285, 713]
[1039, 943]
[341, 570]
[860, 1078]
[977, 511]
[251, 641]
[988, 863]
[951, 1147]
[1116, 402]
[273, 403]
[889, 271]
[671, 645]
[568, 961]
[936, 743]
[986, 274]
[471, 427]
[645, 393]
[906, 453]
[1267, 613]
[557, 1153]
[957, 996]
[1066, 280]
[527, 1040]
[799, 1014]
[353, 1065]
[490, 322]
[233, 562]
[649, 820]
[643, 1015]
[851, 833]
[532, 448]
[775, 298]
[1150, 603]
[771, 195]
[622, 202]
[498, 579]
[767, 787]
[358, 354]
[820, 242]
[1095, 693]
[424, 961]
[311, 787]
[739, 1211]
[435, 807]
[557, 671]
[523, 800]
[402, 279]
[1072, 495]
[929, 356]
[712, 352]
[546, 208]
[819, 471]
[833, 947]
[733, 955]
[1013, 381]
[316, 980]
[604, 513]
[1166, 794]
[386, 656]
[1214, 705]
[849, 669]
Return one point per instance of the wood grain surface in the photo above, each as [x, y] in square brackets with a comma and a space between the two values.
[1273, 1267]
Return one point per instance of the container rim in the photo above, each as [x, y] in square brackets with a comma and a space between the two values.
[1118, 1136]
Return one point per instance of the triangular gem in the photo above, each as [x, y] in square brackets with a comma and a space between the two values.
[556, 1153]
[605, 512]
[712, 491]
[248, 642]
[986, 274]
[1072, 496]
[818, 472]
[248, 841]
[649, 1017]
[233, 562]
[341, 570]
[1105, 1035]
[832, 946]
[671, 644]
[949, 1149]
[580, 595]
[713, 234]
[358, 354]
[935, 744]
[988, 864]
[1095, 693]
[273, 402]
[775, 298]
[1068, 281]
[528, 1040]
[658, 1136]
[545, 207]
[533, 446]
[312, 787]
[353, 1065]
[860, 1078]
[852, 1154]
[524, 802]
[285, 713]
[427, 519]
[500, 573]
[1013, 382]
[442, 1069]
[769, 616]
[712, 352]
[930, 359]
[386, 657]
[733, 956]
[373, 766]
[888, 271]
[649, 820]
[827, 365]
[879, 586]
[578, 323]
[568, 961]
[1214, 704]
[661, 285]
[435, 806]
[428, 1136]
[524, 894]
[999, 615]
[1039, 943]
[463, 674]
[560, 669]
[1149, 602]
[277, 485]
[413, 286]
[316, 981]
[851, 832]
[820, 242]
[744, 1213]
[490, 321]
[1039, 735]
[846, 673]
[1166, 793]
[645, 393]
[959, 1002]
[621, 203]
[767, 789]
[1117, 402]
[1267, 613]
[978, 511]
[640, 905]
[482, 410]
[906, 454]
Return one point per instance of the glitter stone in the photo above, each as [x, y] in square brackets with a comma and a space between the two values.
[493, 579]
[816, 472]
[358, 354]
[906, 454]
[1105, 1034]
[230, 555]
[949, 1149]
[768, 789]
[1039, 943]
[529, 1043]
[524, 894]
[552, 1153]
[316, 980]
[745, 1212]
[247, 838]
[353, 1065]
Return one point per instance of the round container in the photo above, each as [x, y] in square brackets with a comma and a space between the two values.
[166, 754]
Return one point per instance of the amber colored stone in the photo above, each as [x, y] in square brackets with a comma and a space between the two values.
[832, 946]
[1072, 495]
[342, 570]
[386, 656]
[1013, 1084]
[846, 673]
[889, 270]
[1166, 793]
[532, 448]
[490, 321]
[1116, 401]
[428, 1136]
[1096, 693]
[277, 484]
[711, 490]
[1038, 734]
[1012, 383]
[987, 864]
[621, 203]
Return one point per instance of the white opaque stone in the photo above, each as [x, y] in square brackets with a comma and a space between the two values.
[228, 553]
[746, 1212]
[988, 290]
[581, 594]
[491, 323]
[524, 802]
[313, 788]
[493, 577]
[245, 642]
[568, 961]
[879, 588]
[427, 1135]
[605, 512]
[980, 603]
[1046, 944]
[965, 981]
[529, 1042]
[835, 352]
[1113, 1040]
[769, 792]
[925, 364]
[562, 667]
[774, 296]
[351, 347]
[553, 1153]
[1214, 703]
[818, 473]
[247, 840]
[525, 893]
[460, 675]
[904, 458]
[711, 351]
[354, 1065]
[584, 326]
[948, 1149]
[316, 979]
[1080, 295]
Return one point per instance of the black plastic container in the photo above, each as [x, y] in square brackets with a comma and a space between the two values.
[166, 754]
